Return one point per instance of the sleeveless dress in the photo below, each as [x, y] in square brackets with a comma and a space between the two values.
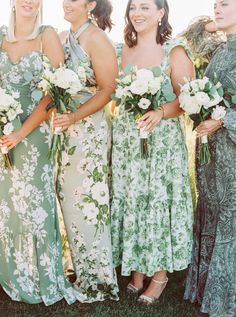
[211, 280]
[30, 244]
[83, 190]
[151, 208]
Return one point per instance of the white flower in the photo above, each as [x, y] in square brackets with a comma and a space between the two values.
[218, 113]
[155, 85]
[215, 101]
[65, 158]
[87, 183]
[39, 215]
[139, 87]
[126, 80]
[8, 128]
[145, 75]
[100, 193]
[144, 103]
[195, 85]
[121, 92]
[91, 211]
[202, 98]
[83, 166]
[189, 103]
[185, 88]
[65, 78]
[202, 82]
[43, 84]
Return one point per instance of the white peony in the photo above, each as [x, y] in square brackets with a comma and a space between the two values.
[202, 99]
[139, 87]
[144, 103]
[65, 78]
[155, 85]
[218, 113]
[145, 74]
[189, 104]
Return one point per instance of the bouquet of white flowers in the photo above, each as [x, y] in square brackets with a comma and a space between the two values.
[9, 111]
[201, 99]
[61, 84]
[142, 90]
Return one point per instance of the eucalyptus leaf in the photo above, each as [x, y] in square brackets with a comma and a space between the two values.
[37, 95]
[156, 71]
[234, 99]
[128, 68]
[72, 150]
[28, 76]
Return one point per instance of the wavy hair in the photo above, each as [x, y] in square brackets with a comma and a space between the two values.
[102, 14]
[164, 31]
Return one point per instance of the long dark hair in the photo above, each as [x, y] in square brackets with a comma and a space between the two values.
[102, 13]
[164, 30]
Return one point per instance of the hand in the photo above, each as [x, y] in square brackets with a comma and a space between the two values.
[64, 121]
[150, 119]
[208, 127]
[11, 140]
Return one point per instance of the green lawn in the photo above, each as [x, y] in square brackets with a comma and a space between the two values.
[170, 305]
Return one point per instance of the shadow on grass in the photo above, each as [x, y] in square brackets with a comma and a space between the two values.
[171, 305]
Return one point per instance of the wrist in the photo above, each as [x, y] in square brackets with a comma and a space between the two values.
[161, 109]
[220, 123]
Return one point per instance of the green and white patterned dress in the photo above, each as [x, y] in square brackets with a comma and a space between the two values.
[151, 208]
[30, 243]
[83, 190]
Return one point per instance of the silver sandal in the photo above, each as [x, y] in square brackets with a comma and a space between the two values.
[151, 300]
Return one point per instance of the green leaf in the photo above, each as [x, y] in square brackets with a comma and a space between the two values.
[156, 71]
[37, 95]
[28, 76]
[226, 102]
[233, 99]
[62, 106]
[72, 150]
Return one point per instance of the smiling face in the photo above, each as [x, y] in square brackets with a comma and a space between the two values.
[144, 15]
[27, 8]
[77, 9]
[225, 15]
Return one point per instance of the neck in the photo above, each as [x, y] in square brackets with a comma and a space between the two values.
[147, 38]
[75, 26]
[24, 27]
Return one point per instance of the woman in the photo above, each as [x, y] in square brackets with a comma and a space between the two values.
[30, 245]
[151, 202]
[211, 279]
[83, 171]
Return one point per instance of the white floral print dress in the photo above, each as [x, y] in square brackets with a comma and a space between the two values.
[30, 243]
[151, 210]
[83, 191]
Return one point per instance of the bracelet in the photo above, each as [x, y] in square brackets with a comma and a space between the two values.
[163, 111]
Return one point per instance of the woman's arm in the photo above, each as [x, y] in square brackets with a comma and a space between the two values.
[181, 67]
[53, 49]
[105, 67]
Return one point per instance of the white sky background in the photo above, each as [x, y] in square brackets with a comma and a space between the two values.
[181, 13]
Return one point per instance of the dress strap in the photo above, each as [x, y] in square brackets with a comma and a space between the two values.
[2, 34]
[81, 29]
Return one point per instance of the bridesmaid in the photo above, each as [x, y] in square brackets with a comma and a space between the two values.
[151, 203]
[30, 246]
[211, 278]
[83, 175]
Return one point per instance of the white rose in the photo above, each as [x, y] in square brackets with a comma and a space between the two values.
[144, 103]
[202, 98]
[144, 74]
[139, 87]
[218, 113]
[8, 128]
[3, 119]
[185, 88]
[43, 84]
[120, 93]
[126, 80]
[64, 78]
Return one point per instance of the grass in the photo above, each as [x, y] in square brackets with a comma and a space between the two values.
[171, 305]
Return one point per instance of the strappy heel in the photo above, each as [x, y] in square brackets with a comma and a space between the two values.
[131, 289]
[151, 300]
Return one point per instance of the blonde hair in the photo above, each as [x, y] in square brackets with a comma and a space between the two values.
[12, 23]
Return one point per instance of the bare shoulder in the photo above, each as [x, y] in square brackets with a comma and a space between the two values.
[98, 38]
[63, 35]
[50, 36]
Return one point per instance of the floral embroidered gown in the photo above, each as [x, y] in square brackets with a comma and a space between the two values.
[151, 208]
[211, 280]
[83, 190]
[30, 246]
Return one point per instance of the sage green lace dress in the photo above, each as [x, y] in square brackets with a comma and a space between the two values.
[83, 189]
[30, 244]
[151, 201]
[211, 280]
